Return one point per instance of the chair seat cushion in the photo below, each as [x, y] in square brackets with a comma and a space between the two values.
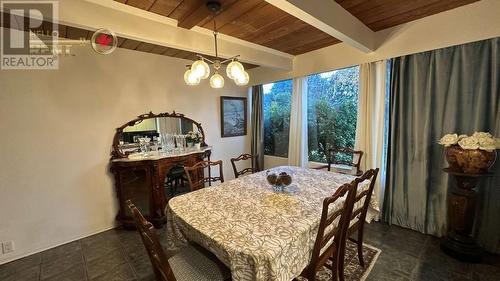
[196, 263]
[344, 169]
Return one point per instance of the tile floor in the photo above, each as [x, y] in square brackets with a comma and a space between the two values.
[117, 255]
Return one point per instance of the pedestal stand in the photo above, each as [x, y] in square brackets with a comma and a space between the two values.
[458, 242]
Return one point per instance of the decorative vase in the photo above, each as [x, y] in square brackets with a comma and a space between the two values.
[470, 161]
[197, 145]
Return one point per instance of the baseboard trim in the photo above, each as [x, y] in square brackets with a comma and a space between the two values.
[41, 249]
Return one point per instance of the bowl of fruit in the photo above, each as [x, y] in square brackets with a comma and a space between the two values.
[279, 179]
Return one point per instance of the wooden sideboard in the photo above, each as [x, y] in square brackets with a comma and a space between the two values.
[139, 174]
[142, 180]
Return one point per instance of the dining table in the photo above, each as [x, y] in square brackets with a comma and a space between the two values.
[257, 232]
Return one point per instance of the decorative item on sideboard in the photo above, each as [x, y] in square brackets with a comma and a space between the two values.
[194, 138]
[470, 159]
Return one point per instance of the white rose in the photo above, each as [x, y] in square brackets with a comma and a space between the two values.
[449, 139]
[469, 143]
[481, 135]
[487, 144]
[462, 137]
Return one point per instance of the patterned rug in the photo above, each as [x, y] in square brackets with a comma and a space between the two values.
[353, 271]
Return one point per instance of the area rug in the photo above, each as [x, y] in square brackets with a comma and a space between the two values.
[353, 271]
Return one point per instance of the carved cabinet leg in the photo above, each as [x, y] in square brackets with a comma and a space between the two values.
[459, 242]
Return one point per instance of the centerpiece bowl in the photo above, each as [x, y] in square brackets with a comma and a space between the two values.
[279, 180]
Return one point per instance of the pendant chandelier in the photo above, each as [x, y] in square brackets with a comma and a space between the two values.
[200, 69]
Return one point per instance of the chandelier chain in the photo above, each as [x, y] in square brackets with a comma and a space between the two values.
[215, 36]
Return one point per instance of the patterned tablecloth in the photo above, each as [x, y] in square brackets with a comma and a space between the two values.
[258, 233]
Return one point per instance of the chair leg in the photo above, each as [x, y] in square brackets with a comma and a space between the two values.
[170, 187]
[340, 270]
[335, 272]
[340, 262]
[309, 275]
[177, 180]
[360, 246]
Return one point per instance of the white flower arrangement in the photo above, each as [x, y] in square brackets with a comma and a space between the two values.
[469, 143]
[449, 139]
[194, 137]
[479, 140]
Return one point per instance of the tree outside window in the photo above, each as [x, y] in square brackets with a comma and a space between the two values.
[277, 105]
[332, 111]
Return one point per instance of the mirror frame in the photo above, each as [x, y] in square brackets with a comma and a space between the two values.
[116, 153]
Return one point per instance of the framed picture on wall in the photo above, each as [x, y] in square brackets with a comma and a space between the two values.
[233, 116]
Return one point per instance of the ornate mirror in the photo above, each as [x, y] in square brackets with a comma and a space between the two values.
[152, 126]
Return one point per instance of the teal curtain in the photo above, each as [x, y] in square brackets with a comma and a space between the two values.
[450, 90]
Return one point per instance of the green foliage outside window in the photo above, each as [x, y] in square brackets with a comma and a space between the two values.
[332, 102]
[332, 111]
[277, 105]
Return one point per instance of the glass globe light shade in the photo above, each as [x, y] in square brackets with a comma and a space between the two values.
[243, 79]
[234, 69]
[201, 69]
[190, 78]
[239, 76]
[217, 81]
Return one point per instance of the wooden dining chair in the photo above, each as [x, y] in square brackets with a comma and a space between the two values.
[254, 160]
[330, 240]
[355, 162]
[196, 174]
[192, 263]
[358, 216]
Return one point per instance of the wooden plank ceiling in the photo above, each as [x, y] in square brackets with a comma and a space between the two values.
[76, 33]
[255, 21]
[261, 23]
[382, 14]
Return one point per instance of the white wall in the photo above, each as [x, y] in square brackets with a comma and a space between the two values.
[473, 22]
[57, 129]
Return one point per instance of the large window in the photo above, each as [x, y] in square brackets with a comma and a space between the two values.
[332, 111]
[277, 103]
